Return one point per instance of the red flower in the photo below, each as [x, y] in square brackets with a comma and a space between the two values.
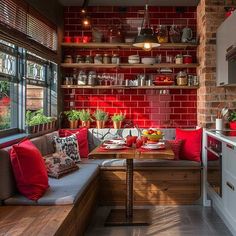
[5, 101]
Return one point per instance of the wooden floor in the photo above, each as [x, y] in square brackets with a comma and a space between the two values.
[167, 221]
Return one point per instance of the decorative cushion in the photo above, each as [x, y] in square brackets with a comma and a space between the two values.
[82, 137]
[29, 170]
[175, 145]
[69, 146]
[59, 164]
[192, 144]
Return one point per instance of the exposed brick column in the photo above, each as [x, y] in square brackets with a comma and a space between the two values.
[210, 14]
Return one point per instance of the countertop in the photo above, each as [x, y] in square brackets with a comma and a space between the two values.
[219, 135]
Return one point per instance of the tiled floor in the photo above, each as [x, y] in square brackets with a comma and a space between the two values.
[166, 221]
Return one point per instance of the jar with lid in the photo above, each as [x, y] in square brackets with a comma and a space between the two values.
[68, 59]
[106, 59]
[79, 59]
[88, 59]
[98, 59]
[175, 34]
[92, 78]
[182, 78]
[162, 34]
[187, 59]
[68, 81]
[82, 78]
[115, 59]
[178, 59]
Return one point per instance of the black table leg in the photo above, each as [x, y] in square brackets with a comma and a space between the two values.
[128, 216]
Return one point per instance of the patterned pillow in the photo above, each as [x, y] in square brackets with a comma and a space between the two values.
[69, 146]
[59, 164]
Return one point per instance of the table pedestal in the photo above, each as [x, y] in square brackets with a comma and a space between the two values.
[128, 216]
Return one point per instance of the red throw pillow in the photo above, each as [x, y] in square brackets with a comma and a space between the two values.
[82, 137]
[175, 145]
[29, 170]
[192, 145]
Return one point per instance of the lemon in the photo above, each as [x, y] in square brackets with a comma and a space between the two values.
[145, 132]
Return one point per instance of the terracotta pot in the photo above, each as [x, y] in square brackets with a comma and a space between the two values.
[85, 123]
[232, 125]
[117, 124]
[100, 124]
[73, 124]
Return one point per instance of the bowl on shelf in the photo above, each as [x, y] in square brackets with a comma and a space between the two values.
[148, 60]
[134, 59]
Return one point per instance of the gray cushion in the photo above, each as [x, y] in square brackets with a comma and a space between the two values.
[63, 191]
[7, 181]
[50, 142]
[151, 163]
[41, 144]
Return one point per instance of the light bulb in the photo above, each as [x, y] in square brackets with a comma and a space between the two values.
[147, 46]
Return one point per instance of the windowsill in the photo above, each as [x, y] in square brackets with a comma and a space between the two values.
[12, 139]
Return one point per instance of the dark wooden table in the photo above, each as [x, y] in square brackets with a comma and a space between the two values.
[130, 216]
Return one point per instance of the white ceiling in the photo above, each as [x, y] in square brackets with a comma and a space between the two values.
[130, 2]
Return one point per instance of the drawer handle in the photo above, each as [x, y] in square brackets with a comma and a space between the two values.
[230, 146]
[213, 152]
[230, 185]
[222, 83]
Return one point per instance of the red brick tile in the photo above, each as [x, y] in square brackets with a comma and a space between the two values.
[180, 98]
[137, 98]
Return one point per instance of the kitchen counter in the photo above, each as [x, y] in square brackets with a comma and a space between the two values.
[220, 135]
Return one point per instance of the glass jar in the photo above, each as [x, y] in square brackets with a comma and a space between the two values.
[175, 34]
[162, 34]
[179, 59]
[88, 59]
[79, 59]
[115, 59]
[68, 81]
[187, 59]
[98, 59]
[106, 59]
[182, 78]
[68, 59]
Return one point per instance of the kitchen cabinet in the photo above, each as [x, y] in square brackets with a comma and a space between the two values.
[226, 37]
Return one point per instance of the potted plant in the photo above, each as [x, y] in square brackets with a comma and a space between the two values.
[232, 120]
[73, 116]
[85, 117]
[101, 117]
[117, 120]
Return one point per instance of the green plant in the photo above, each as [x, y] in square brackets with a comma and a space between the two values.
[36, 118]
[85, 115]
[118, 117]
[73, 115]
[232, 116]
[100, 115]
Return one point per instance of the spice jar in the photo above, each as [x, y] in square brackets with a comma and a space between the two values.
[175, 34]
[187, 59]
[115, 59]
[68, 59]
[88, 59]
[162, 34]
[106, 59]
[68, 81]
[179, 59]
[79, 59]
[182, 78]
[98, 59]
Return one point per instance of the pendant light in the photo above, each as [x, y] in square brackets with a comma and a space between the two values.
[146, 38]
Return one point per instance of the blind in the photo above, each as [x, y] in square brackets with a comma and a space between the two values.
[18, 16]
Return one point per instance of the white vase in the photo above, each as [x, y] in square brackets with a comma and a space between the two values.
[219, 124]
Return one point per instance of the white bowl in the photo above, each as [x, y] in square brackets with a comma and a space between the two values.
[133, 61]
[148, 60]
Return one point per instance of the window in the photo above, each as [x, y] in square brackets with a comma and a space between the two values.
[27, 82]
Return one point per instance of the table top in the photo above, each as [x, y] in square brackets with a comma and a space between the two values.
[132, 153]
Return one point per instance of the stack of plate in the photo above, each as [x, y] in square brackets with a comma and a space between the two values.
[134, 59]
[154, 146]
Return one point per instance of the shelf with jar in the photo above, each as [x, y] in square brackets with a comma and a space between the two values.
[128, 45]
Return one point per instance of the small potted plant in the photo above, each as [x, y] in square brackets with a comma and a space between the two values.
[73, 116]
[85, 117]
[232, 120]
[117, 120]
[101, 117]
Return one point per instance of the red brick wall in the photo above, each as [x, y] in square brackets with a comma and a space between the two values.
[144, 107]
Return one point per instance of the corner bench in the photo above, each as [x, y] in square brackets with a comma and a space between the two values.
[66, 207]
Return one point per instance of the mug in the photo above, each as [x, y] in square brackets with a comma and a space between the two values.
[67, 39]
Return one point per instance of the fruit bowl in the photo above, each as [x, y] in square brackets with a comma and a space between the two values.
[153, 135]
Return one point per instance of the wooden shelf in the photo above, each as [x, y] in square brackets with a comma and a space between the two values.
[127, 87]
[127, 65]
[126, 45]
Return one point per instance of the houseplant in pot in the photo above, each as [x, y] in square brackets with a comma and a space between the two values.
[101, 117]
[73, 117]
[117, 120]
[85, 117]
[232, 120]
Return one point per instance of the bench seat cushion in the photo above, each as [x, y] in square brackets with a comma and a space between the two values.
[63, 191]
[151, 163]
